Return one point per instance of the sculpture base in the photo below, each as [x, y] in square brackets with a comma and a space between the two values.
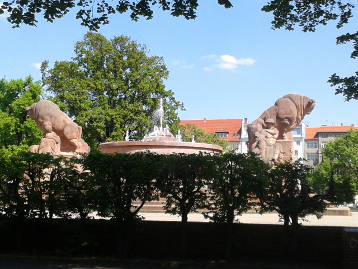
[288, 147]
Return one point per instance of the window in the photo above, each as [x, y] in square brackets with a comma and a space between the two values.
[298, 142]
[235, 146]
[296, 153]
[222, 135]
[235, 135]
[312, 157]
[323, 144]
[324, 135]
[296, 131]
[311, 145]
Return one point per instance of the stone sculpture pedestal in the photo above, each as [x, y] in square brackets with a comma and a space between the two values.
[288, 147]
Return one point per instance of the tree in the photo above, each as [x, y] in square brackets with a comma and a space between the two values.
[339, 168]
[23, 186]
[26, 183]
[237, 180]
[331, 177]
[71, 189]
[25, 12]
[200, 136]
[308, 14]
[290, 194]
[15, 127]
[110, 87]
[12, 203]
[182, 181]
[119, 180]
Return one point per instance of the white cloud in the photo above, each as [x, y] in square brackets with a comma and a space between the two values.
[188, 66]
[177, 62]
[247, 61]
[227, 62]
[230, 62]
[183, 64]
[212, 56]
[36, 65]
[207, 69]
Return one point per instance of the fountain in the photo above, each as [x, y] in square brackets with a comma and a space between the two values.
[160, 141]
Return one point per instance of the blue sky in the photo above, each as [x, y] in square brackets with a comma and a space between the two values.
[226, 64]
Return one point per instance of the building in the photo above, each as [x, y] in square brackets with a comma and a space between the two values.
[317, 138]
[298, 137]
[230, 130]
[244, 141]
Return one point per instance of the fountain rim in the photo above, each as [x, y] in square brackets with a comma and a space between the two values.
[145, 146]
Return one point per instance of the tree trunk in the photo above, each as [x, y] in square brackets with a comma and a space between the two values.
[287, 236]
[122, 227]
[295, 226]
[286, 219]
[19, 231]
[229, 232]
[184, 231]
[83, 214]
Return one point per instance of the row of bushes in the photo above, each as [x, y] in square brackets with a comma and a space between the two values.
[42, 187]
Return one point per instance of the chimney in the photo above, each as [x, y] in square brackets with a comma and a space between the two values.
[204, 119]
[245, 120]
[352, 125]
[341, 124]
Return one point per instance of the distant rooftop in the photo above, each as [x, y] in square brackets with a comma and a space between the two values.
[231, 127]
[312, 132]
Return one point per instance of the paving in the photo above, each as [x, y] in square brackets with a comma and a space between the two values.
[271, 218]
[28, 262]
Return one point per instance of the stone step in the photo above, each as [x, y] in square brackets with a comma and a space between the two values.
[151, 202]
[152, 206]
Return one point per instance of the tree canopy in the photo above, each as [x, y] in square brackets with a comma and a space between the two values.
[15, 127]
[111, 87]
[94, 14]
[339, 168]
[308, 14]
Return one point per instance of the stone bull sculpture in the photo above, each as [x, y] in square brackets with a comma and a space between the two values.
[287, 113]
[46, 113]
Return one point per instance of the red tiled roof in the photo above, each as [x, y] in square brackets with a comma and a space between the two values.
[312, 133]
[218, 126]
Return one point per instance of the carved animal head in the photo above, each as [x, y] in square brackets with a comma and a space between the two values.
[310, 106]
[83, 147]
[30, 111]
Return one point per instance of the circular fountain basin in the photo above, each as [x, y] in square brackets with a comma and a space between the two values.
[162, 147]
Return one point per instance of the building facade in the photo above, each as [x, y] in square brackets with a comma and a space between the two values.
[298, 137]
[244, 137]
[317, 138]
